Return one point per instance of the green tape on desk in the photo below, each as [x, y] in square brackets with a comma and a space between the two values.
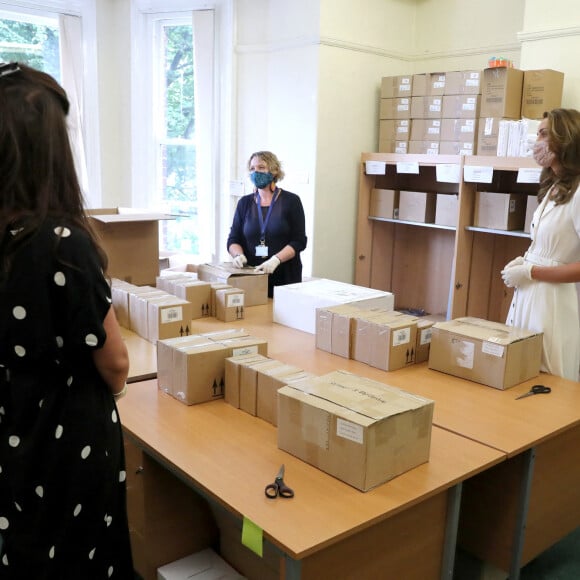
[252, 536]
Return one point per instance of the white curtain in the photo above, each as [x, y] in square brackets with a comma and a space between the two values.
[204, 83]
[72, 81]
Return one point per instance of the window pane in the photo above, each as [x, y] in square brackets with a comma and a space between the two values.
[32, 43]
[176, 152]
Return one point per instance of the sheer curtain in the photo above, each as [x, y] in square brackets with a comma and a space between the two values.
[72, 81]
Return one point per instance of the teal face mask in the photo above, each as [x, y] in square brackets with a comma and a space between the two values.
[261, 180]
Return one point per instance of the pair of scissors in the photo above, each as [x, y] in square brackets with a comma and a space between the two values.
[278, 488]
[536, 390]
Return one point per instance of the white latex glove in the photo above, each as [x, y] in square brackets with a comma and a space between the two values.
[517, 275]
[240, 261]
[515, 262]
[268, 266]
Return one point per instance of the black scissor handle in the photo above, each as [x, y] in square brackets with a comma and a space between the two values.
[271, 490]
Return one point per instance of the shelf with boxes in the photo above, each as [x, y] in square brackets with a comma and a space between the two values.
[448, 270]
[494, 111]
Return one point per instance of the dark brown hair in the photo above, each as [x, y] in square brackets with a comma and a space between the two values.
[564, 141]
[38, 176]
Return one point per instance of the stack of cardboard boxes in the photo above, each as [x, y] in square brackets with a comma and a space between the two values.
[465, 112]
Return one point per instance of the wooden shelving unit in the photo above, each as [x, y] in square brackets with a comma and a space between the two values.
[449, 272]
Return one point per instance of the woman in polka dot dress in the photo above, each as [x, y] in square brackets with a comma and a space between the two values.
[62, 359]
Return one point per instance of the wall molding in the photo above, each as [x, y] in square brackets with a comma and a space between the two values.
[304, 42]
[536, 35]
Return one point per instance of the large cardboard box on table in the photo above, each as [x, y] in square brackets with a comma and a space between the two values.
[360, 431]
[295, 304]
[131, 241]
[485, 352]
[254, 284]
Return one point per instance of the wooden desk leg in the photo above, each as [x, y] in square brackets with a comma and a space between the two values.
[522, 514]
[451, 527]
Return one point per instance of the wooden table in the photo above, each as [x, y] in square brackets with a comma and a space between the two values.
[142, 356]
[329, 529]
[512, 512]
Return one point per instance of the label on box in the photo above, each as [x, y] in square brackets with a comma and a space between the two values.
[171, 314]
[491, 348]
[465, 353]
[401, 336]
[245, 350]
[425, 336]
[234, 300]
[512, 205]
[350, 431]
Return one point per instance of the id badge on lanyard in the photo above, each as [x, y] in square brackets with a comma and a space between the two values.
[262, 248]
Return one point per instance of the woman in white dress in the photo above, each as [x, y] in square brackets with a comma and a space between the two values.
[545, 297]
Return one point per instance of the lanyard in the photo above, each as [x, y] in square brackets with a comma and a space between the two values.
[264, 223]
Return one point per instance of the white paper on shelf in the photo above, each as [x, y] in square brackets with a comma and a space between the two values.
[529, 175]
[375, 167]
[408, 167]
[476, 174]
[447, 172]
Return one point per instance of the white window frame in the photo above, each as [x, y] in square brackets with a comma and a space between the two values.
[145, 15]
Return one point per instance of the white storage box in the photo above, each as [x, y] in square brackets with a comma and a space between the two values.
[295, 304]
[204, 565]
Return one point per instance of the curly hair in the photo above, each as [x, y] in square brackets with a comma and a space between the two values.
[564, 141]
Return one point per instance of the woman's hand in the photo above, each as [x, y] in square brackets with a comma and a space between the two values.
[269, 265]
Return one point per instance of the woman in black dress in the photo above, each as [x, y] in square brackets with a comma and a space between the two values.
[268, 229]
[62, 358]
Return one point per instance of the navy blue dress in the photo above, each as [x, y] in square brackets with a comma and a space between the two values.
[62, 473]
[286, 226]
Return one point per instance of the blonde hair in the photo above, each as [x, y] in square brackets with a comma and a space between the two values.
[273, 163]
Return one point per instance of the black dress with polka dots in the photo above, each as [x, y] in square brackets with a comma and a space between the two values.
[62, 473]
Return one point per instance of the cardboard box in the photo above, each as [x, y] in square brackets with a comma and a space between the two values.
[396, 86]
[295, 304]
[384, 203]
[361, 334]
[447, 209]
[120, 291]
[393, 342]
[197, 292]
[334, 329]
[269, 381]
[168, 317]
[488, 135]
[138, 308]
[398, 108]
[387, 146]
[436, 82]
[424, 330]
[428, 107]
[360, 431]
[426, 130]
[531, 206]
[459, 130]
[542, 91]
[204, 565]
[465, 82]
[214, 288]
[232, 376]
[249, 383]
[229, 304]
[457, 148]
[485, 352]
[501, 92]
[254, 284]
[424, 147]
[417, 206]
[125, 234]
[499, 211]
[461, 106]
[419, 85]
[394, 129]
